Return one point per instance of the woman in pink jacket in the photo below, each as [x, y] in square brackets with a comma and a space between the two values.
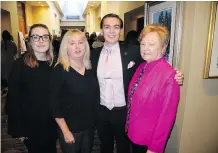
[153, 94]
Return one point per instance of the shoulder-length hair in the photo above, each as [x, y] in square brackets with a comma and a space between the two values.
[29, 57]
[63, 57]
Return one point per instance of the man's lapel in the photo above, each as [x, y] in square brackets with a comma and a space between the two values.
[124, 60]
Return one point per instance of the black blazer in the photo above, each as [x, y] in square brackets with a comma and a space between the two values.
[128, 53]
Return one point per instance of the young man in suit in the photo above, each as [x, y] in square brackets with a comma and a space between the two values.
[115, 64]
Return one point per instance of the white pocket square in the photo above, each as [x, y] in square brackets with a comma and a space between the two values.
[131, 64]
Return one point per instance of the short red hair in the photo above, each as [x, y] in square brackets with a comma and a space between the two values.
[161, 30]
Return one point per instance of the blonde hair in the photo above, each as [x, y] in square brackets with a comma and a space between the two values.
[63, 57]
[30, 58]
[161, 30]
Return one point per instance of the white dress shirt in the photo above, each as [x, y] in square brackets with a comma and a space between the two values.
[110, 77]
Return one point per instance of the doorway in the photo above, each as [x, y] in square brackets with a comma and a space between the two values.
[5, 21]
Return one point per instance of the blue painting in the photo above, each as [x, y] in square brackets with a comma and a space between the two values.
[164, 17]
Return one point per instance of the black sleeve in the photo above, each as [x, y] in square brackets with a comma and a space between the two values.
[15, 49]
[139, 58]
[13, 101]
[56, 84]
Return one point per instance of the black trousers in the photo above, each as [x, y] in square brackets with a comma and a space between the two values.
[138, 148]
[83, 142]
[39, 145]
[110, 125]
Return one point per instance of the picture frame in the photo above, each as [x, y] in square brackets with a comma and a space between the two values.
[169, 14]
[211, 59]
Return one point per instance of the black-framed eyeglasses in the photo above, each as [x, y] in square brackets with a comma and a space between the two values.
[36, 38]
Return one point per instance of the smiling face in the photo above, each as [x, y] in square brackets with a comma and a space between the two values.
[76, 47]
[151, 47]
[111, 30]
[41, 45]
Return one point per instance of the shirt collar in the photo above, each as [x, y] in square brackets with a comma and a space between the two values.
[111, 46]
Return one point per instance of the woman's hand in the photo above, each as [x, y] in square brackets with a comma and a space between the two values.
[68, 137]
[179, 77]
[22, 139]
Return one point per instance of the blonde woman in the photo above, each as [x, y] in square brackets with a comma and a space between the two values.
[74, 94]
[28, 108]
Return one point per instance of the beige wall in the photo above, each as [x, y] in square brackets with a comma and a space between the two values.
[131, 21]
[93, 18]
[126, 6]
[47, 15]
[196, 127]
[12, 8]
[54, 18]
[88, 22]
[104, 8]
[29, 15]
[5, 22]
[41, 15]
[97, 19]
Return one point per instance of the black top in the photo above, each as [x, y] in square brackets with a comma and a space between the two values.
[28, 100]
[74, 97]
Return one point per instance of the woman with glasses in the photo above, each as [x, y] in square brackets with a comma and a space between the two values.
[74, 94]
[29, 115]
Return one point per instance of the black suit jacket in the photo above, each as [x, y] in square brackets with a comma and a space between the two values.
[128, 53]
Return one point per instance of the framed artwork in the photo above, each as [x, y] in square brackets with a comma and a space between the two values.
[168, 14]
[211, 60]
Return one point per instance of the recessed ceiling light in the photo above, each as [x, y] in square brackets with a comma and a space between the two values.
[42, 5]
[39, 2]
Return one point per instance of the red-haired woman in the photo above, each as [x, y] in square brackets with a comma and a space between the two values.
[153, 94]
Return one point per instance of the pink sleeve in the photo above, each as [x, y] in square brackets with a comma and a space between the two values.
[169, 99]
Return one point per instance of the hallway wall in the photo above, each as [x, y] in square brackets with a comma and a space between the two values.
[55, 18]
[126, 6]
[34, 14]
[29, 15]
[11, 6]
[6, 25]
[41, 15]
[196, 127]
[118, 7]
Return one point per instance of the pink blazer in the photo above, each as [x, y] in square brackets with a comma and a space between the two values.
[154, 105]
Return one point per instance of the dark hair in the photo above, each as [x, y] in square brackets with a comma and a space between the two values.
[132, 38]
[6, 36]
[30, 58]
[111, 15]
[87, 33]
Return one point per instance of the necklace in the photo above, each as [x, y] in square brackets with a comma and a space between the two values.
[80, 70]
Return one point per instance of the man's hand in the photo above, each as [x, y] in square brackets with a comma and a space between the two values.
[22, 139]
[148, 151]
[179, 77]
